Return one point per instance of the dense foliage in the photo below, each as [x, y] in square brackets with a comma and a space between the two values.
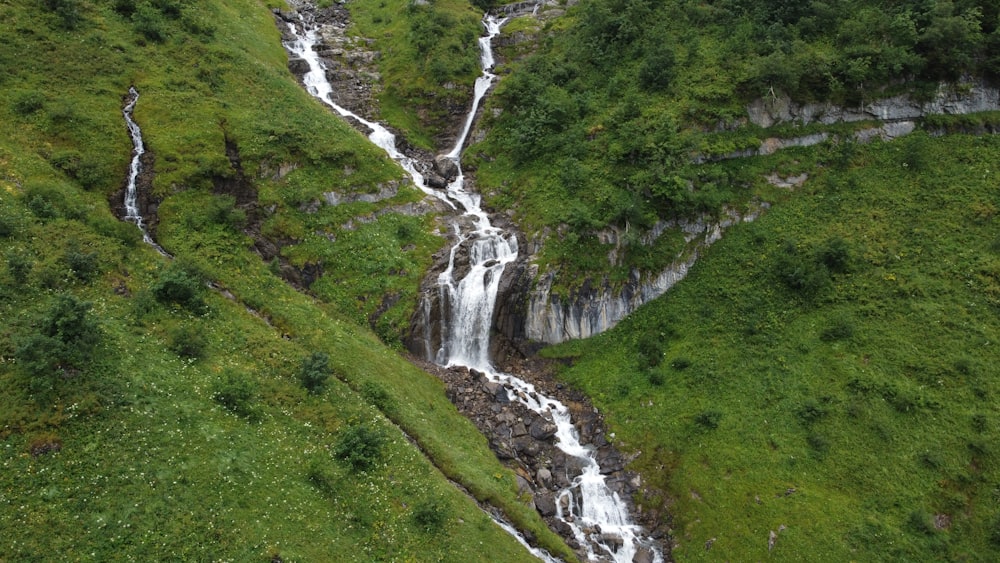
[606, 116]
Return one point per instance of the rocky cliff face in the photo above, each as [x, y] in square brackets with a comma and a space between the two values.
[528, 312]
[953, 99]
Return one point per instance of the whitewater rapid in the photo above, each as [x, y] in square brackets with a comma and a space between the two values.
[597, 516]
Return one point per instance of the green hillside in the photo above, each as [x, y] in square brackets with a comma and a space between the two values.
[146, 416]
[830, 367]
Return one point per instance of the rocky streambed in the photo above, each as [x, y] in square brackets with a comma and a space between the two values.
[526, 442]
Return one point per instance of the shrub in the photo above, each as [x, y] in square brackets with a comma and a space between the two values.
[921, 522]
[65, 338]
[835, 254]
[314, 372]
[840, 328]
[709, 419]
[378, 397]
[83, 264]
[430, 515]
[650, 351]
[19, 266]
[360, 447]
[810, 412]
[819, 444]
[68, 12]
[235, 393]
[178, 284]
[656, 377]
[41, 207]
[680, 363]
[27, 102]
[800, 272]
[188, 341]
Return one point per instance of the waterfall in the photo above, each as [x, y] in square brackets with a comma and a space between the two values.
[597, 516]
[132, 213]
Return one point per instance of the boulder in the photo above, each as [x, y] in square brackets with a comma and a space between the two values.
[446, 167]
[546, 504]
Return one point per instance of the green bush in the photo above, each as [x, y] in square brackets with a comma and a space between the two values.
[27, 102]
[236, 393]
[64, 339]
[360, 447]
[82, 264]
[314, 372]
[19, 266]
[430, 515]
[179, 285]
[709, 419]
[188, 341]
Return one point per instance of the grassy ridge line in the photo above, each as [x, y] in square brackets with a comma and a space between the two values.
[855, 403]
[429, 61]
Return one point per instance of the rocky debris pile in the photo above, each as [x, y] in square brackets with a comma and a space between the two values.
[351, 63]
[526, 442]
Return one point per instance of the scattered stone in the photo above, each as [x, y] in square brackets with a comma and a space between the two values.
[942, 521]
[546, 504]
[708, 544]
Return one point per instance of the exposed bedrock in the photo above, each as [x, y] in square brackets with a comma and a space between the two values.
[529, 312]
[970, 96]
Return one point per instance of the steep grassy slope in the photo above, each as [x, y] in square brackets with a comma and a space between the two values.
[144, 416]
[830, 368]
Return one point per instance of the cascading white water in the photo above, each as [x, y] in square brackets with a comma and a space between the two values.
[132, 213]
[469, 302]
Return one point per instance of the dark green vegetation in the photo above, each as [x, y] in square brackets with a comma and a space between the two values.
[429, 61]
[830, 367]
[606, 115]
[145, 415]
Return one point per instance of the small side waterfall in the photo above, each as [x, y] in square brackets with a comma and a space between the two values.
[132, 212]
[598, 517]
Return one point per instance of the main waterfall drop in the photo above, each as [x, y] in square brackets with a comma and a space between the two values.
[597, 516]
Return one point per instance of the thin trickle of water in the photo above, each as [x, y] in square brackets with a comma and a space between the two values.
[132, 212]
[468, 313]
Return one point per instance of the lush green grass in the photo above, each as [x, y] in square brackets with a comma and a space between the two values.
[429, 61]
[829, 367]
[186, 431]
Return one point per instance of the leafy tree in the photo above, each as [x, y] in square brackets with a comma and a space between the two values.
[314, 372]
[951, 41]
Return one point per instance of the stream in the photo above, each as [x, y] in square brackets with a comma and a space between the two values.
[598, 517]
[132, 212]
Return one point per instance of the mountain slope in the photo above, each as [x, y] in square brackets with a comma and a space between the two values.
[147, 416]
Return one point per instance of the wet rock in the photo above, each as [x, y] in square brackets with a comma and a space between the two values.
[446, 167]
[644, 555]
[542, 429]
[546, 504]
[544, 477]
[436, 182]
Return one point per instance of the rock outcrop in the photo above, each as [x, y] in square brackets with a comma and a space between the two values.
[954, 99]
[529, 312]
